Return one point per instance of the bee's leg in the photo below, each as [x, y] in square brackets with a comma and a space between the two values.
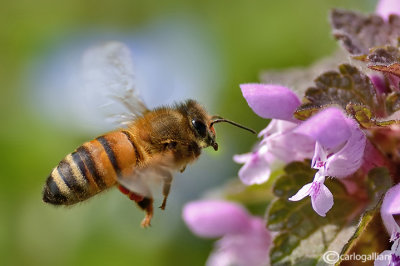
[131, 195]
[166, 189]
[182, 169]
[147, 205]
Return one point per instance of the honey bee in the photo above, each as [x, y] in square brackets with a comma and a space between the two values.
[152, 145]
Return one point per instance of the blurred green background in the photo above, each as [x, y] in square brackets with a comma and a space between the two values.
[244, 37]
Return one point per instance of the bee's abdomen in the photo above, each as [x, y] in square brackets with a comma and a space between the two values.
[92, 168]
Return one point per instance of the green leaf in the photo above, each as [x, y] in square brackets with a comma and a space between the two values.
[305, 111]
[298, 226]
[358, 33]
[369, 238]
[393, 102]
[348, 86]
[364, 117]
[362, 114]
[378, 182]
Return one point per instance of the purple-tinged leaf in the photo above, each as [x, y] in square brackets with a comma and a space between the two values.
[358, 33]
[341, 88]
[298, 79]
[384, 56]
[393, 68]
[386, 60]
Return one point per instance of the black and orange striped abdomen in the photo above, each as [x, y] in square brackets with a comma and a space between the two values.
[92, 168]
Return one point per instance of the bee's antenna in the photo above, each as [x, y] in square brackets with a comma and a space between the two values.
[220, 119]
[216, 117]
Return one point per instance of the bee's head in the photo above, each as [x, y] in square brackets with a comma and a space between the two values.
[202, 124]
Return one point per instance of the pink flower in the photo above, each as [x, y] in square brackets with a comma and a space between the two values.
[387, 7]
[271, 101]
[337, 141]
[335, 155]
[321, 197]
[257, 167]
[379, 83]
[390, 206]
[328, 127]
[285, 143]
[280, 144]
[245, 239]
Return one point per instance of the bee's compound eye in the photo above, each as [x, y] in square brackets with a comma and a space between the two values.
[199, 127]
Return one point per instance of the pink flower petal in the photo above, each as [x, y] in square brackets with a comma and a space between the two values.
[284, 143]
[322, 201]
[257, 165]
[387, 7]
[329, 127]
[256, 170]
[277, 126]
[391, 201]
[343, 160]
[349, 159]
[290, 146]
[215, 218]
[379, 83]
[248, 249]
[384, 258]
[280, 144]
[390, 207]
[242, 158]
[321, 197]
[302, 193]
[271, 101]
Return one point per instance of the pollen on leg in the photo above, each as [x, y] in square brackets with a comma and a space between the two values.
[132, 195]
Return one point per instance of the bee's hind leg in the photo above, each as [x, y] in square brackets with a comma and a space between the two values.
[147, 205]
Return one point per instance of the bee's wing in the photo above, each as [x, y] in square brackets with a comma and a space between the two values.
[108, 69]
[147, 180]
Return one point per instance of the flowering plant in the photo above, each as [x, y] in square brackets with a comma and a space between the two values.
[331, 160]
